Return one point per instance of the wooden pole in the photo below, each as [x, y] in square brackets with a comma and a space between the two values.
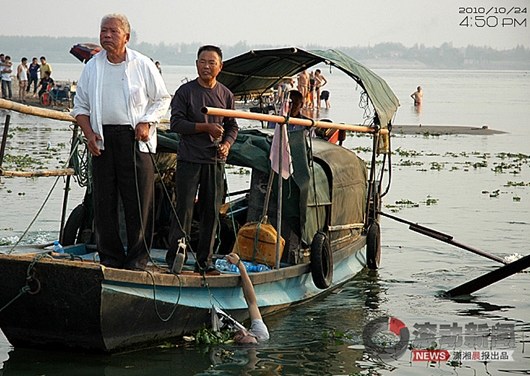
[4, 139]
[446, 238]
[296, 121]
[36, 111]
[490, 278]
[38, 173]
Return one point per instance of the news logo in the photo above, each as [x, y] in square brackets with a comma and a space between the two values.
[386, 337]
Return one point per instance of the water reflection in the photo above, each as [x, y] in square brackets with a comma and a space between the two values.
[416, 112]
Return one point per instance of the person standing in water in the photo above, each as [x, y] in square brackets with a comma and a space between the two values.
[417, 96]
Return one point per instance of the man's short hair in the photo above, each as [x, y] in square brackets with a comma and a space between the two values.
[296, 96]
[43, 57]
[125, 25]
[209, 47]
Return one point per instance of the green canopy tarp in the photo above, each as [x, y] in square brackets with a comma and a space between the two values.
[259, 70]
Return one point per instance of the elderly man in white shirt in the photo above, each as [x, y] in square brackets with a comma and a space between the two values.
[119, 99]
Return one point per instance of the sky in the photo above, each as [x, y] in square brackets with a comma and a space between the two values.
[331, 23]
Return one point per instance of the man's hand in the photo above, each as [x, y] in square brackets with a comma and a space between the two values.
[223, 150]
[142, 132]
[93, 140]
[215, 130]
[233, 258]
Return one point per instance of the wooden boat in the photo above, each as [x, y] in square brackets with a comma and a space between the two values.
[329, 221]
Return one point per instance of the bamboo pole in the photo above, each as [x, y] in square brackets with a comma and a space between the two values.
[37, 173]
[36, 111]
[296, 121]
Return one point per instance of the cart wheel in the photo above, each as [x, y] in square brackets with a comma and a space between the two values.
[321, 261]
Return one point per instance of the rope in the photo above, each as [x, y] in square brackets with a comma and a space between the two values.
[22, 291]
[82, 163]
[30, 277]
[175, 305]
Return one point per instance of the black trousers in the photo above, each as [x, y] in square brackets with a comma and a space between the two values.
[122, 170]
[208, 180]
[35, 82]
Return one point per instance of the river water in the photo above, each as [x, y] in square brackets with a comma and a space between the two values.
[475, 188]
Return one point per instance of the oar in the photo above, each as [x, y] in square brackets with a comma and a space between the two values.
[295, 121]
[489, 278]
[443, 237]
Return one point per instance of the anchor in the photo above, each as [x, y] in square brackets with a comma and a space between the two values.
[478, 283]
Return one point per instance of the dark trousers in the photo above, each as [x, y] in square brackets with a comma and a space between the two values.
[7, 92]
[35, 82]
[208, 180]
[122, 170]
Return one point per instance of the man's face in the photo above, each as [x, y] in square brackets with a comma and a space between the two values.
[244, 337]
[208, 65]
[112, 37]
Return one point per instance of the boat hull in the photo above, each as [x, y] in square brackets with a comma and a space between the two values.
[82, 305]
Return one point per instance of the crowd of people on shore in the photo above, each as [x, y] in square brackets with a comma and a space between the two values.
[27, 75]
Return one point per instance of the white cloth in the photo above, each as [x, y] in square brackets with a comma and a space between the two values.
[145, 91]
[259, 329]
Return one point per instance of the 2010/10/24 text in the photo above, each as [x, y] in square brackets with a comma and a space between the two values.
[491, 10]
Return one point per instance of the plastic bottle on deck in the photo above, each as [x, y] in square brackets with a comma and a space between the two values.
[223, 265]
[257, 268]
[57, 247]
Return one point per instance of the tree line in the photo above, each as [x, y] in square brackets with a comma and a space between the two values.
[387, 55]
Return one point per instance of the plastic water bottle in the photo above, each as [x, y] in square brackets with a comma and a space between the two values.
[57, 247]
[180, 257]
[257, 267]
[223, 265]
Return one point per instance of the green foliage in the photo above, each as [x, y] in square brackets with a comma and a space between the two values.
[207, 336]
